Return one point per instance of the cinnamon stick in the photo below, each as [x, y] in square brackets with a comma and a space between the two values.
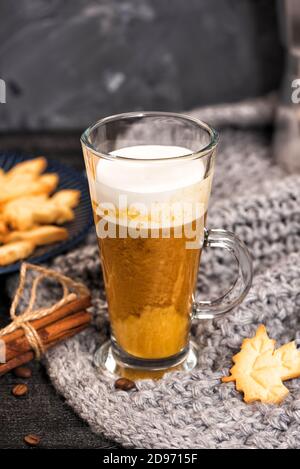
[15, 362]
[74, 306]
[28, 356]
[48, 334]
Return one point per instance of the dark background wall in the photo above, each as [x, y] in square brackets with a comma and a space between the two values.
[67, 63]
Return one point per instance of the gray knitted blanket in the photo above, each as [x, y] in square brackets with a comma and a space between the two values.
[260, 203]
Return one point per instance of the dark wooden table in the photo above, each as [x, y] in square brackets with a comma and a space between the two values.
[42, 411]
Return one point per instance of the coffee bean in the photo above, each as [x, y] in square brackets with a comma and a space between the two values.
[124, 384]
[22, 372]
[32, 440]
[20, 390]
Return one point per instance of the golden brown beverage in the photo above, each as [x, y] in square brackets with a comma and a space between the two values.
[150, 274]
[149, 285]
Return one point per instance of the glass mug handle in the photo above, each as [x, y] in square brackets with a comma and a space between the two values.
[234, 296]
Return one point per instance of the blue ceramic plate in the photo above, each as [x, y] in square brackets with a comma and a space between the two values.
[78, 228]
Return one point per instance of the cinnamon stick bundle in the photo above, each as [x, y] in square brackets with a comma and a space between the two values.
[57, 327]
[50, 329]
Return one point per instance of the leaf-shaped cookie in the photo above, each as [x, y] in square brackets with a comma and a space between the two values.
[257, 372]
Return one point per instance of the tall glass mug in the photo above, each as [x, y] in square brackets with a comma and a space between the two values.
[150, 176]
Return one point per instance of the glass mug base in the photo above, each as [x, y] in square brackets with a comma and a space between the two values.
[111, 358]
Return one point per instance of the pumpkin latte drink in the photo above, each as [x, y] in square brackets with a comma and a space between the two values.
[150, 279]
[150, 192]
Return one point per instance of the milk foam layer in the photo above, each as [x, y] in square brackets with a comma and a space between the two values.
[152, 183]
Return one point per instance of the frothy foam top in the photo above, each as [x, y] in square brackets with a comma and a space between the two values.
[152, 182]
